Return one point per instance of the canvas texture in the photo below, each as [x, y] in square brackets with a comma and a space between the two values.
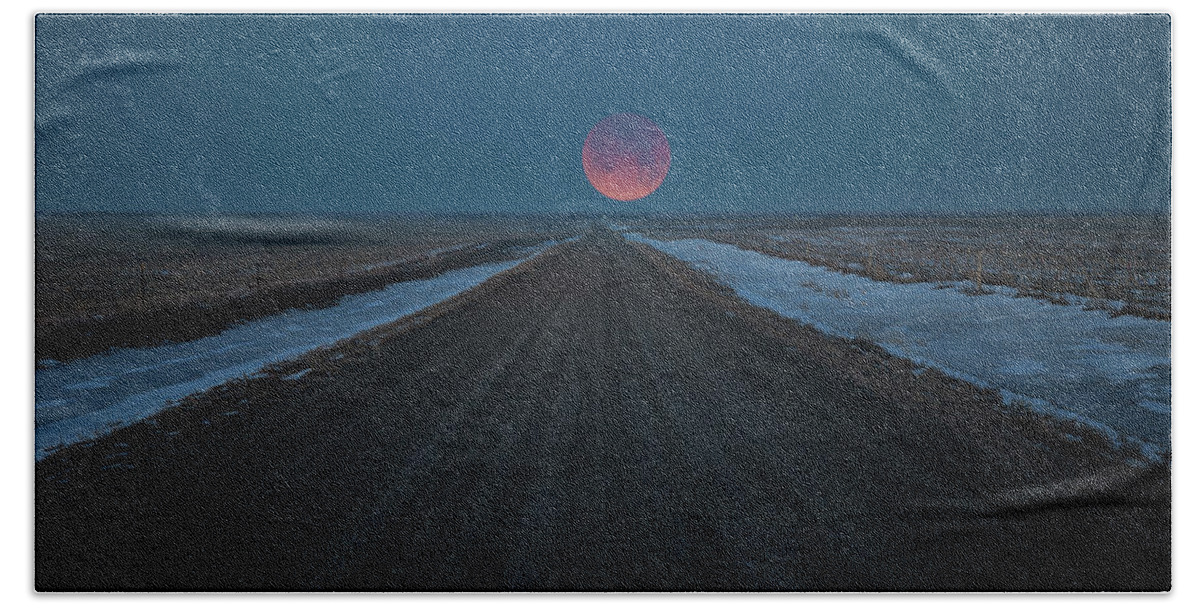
[706, 302]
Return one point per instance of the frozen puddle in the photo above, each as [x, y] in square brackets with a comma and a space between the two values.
[89, 397]
[1113, 373]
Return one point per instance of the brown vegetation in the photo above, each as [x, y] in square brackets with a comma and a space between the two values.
[129, 281]
[1100, 258]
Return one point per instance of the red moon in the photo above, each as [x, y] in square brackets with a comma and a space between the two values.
[626, 157]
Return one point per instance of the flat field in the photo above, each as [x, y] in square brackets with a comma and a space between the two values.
[601, 416]
[1118, 263]
[106, 281]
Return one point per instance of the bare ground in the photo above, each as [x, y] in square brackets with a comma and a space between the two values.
[115, 281]
[1103, 258]
[600, 418]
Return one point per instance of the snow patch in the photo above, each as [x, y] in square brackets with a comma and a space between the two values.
[298, 375]
[1113, 373]
[90, 397]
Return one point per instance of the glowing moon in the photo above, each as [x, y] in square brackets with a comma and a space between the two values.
[626, 157]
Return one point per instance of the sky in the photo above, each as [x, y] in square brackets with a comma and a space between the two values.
[488, 114]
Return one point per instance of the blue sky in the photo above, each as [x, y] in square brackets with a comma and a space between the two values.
[823, 113]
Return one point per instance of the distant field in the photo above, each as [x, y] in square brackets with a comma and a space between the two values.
[105, 280]
[111, 280]
[1120, 263]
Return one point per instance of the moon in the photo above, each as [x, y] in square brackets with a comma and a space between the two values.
[626, 157]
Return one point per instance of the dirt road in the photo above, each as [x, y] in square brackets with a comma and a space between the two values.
[599, 418]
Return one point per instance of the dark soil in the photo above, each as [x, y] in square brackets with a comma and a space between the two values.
[67, 338]
[600, 418]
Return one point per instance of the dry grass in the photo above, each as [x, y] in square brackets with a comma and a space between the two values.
[103, 280]
[1121, 263]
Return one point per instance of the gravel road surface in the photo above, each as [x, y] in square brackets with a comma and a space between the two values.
[601, 417]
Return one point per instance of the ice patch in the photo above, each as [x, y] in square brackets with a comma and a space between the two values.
[298, 375]
[88, 397]
[100, 382]
[1113, 373]
[1156, 407]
